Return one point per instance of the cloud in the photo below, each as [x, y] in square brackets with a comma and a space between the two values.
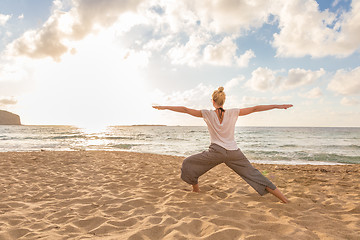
[262, 79]
[346, 82]
[265, 79]
[224, 54]
[281, 98]
[305, 30]
[299, 77]
[312, 94]
[90, 87]
[84, 17]
[21, 16]
[4, 19]
[15, 77]
[7, 101]
[349, 101]
[232, 16]
[233, 83]
[243, 60]
[158, 44]
[198, 96]
[195, 97]
[197, 52]
[190, 53]
[215, 17]
[221, 54]
[249, 100]
[45, 42]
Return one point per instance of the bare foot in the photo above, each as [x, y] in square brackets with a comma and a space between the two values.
[278, 194]
[196, 188]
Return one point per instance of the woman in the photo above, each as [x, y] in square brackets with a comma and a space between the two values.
[223, 148]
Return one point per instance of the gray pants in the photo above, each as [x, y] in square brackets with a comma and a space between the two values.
[196, 165]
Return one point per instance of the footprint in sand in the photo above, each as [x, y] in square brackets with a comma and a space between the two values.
[219, 194]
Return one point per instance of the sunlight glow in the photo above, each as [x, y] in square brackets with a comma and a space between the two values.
[96, 86]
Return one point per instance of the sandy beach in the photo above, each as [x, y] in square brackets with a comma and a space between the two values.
[125, 195]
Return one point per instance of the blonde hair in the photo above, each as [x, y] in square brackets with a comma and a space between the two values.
[219, 96]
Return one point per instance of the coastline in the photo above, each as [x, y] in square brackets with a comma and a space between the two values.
[273, 145]
[127, 195]
[255, 162]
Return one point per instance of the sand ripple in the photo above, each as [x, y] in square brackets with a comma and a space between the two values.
[121, 195]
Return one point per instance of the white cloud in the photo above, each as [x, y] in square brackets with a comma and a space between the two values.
[158, 44]
[305, 30]
[4, 18]
[346, 82]
[197, 97]
[176, 16]
[190, 53]
[264, 79]
[232, 16]
[212, 16]
[249, 101]
[312, 94]
[89, 86]
[221, 54]
[299, 77]
[83, 18]
[233, 83]
[281, 98]
[79, 90]
[21, 16]
[15, 77]
[197, 52]
[349, 101]
[243, 60]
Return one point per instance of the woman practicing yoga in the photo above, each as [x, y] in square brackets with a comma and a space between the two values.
[223, 148]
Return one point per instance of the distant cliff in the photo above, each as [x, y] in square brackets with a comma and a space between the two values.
[8, 118]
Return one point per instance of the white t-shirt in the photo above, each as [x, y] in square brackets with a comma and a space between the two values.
[222, 134]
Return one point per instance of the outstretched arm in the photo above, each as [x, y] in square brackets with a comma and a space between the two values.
[180, 109]
[260, 108]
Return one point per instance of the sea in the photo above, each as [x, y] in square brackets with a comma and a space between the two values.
[274, 145]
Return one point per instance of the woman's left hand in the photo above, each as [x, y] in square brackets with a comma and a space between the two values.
[285, 106]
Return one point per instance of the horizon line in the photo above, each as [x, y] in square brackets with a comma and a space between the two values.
[163, 125]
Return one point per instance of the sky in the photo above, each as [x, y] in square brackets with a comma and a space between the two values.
[98, 63]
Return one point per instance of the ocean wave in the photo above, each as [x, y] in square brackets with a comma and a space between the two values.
[353, 146]
[118, 138]
[302, 156]
[328, 157]
[289, 146]
[122, 146]
[264, 144]
[175, 139]
[70, 136]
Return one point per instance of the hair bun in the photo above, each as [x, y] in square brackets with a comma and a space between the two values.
[220, 89]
